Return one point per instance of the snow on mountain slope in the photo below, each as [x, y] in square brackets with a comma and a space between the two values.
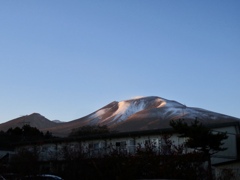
[153, 112]
[117, 112]
[127, 108]
[152, 107]
[142, 113]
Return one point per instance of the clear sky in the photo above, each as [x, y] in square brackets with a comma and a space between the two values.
[65, 59]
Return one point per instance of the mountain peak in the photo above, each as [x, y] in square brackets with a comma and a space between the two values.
[135, 114]
[36, 115]
[34, 120]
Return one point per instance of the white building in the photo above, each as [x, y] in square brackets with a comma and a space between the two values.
[128, 142]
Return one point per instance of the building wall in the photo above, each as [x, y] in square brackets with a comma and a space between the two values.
[230, 143]
[129, 144]
[100, 147]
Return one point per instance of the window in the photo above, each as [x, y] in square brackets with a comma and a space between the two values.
[121, 144]
[96, 146]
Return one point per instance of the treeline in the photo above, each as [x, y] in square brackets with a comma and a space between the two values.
[27, 133]
[23, 134]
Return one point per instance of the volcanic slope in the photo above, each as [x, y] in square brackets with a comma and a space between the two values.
[144, 113]
[34, 120]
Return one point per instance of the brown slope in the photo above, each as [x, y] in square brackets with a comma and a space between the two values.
[142, 114]
[131, 115]
[34, 120]
[159, 118]
[64, 129]
[146, 120]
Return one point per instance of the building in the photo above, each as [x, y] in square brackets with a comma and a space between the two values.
[128, 142]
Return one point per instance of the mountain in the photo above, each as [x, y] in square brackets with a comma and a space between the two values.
[34, 120]
[57, 121]
[137, 114]
[144, 113]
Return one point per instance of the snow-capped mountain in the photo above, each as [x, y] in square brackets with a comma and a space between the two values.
[144, 113]
[117, 112]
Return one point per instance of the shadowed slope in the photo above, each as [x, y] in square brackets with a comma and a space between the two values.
[143, 113]
[34, 120]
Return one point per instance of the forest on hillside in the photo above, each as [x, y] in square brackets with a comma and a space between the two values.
[27, 133]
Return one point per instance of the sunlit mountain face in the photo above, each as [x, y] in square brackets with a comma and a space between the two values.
[142, 113]
[148, 113]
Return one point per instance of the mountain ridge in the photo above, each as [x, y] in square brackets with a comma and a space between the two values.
[143, 113]
[34, 119]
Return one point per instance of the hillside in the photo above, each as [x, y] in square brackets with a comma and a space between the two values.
[144, 113]
[34, 120]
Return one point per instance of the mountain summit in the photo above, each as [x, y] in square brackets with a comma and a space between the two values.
[148, 107]
[34, 119]
[143, 113]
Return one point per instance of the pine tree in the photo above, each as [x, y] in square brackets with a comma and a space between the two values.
[200, 138]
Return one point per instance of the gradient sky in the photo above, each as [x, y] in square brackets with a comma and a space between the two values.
[65, 59]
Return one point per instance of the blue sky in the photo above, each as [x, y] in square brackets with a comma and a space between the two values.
[66, 59]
